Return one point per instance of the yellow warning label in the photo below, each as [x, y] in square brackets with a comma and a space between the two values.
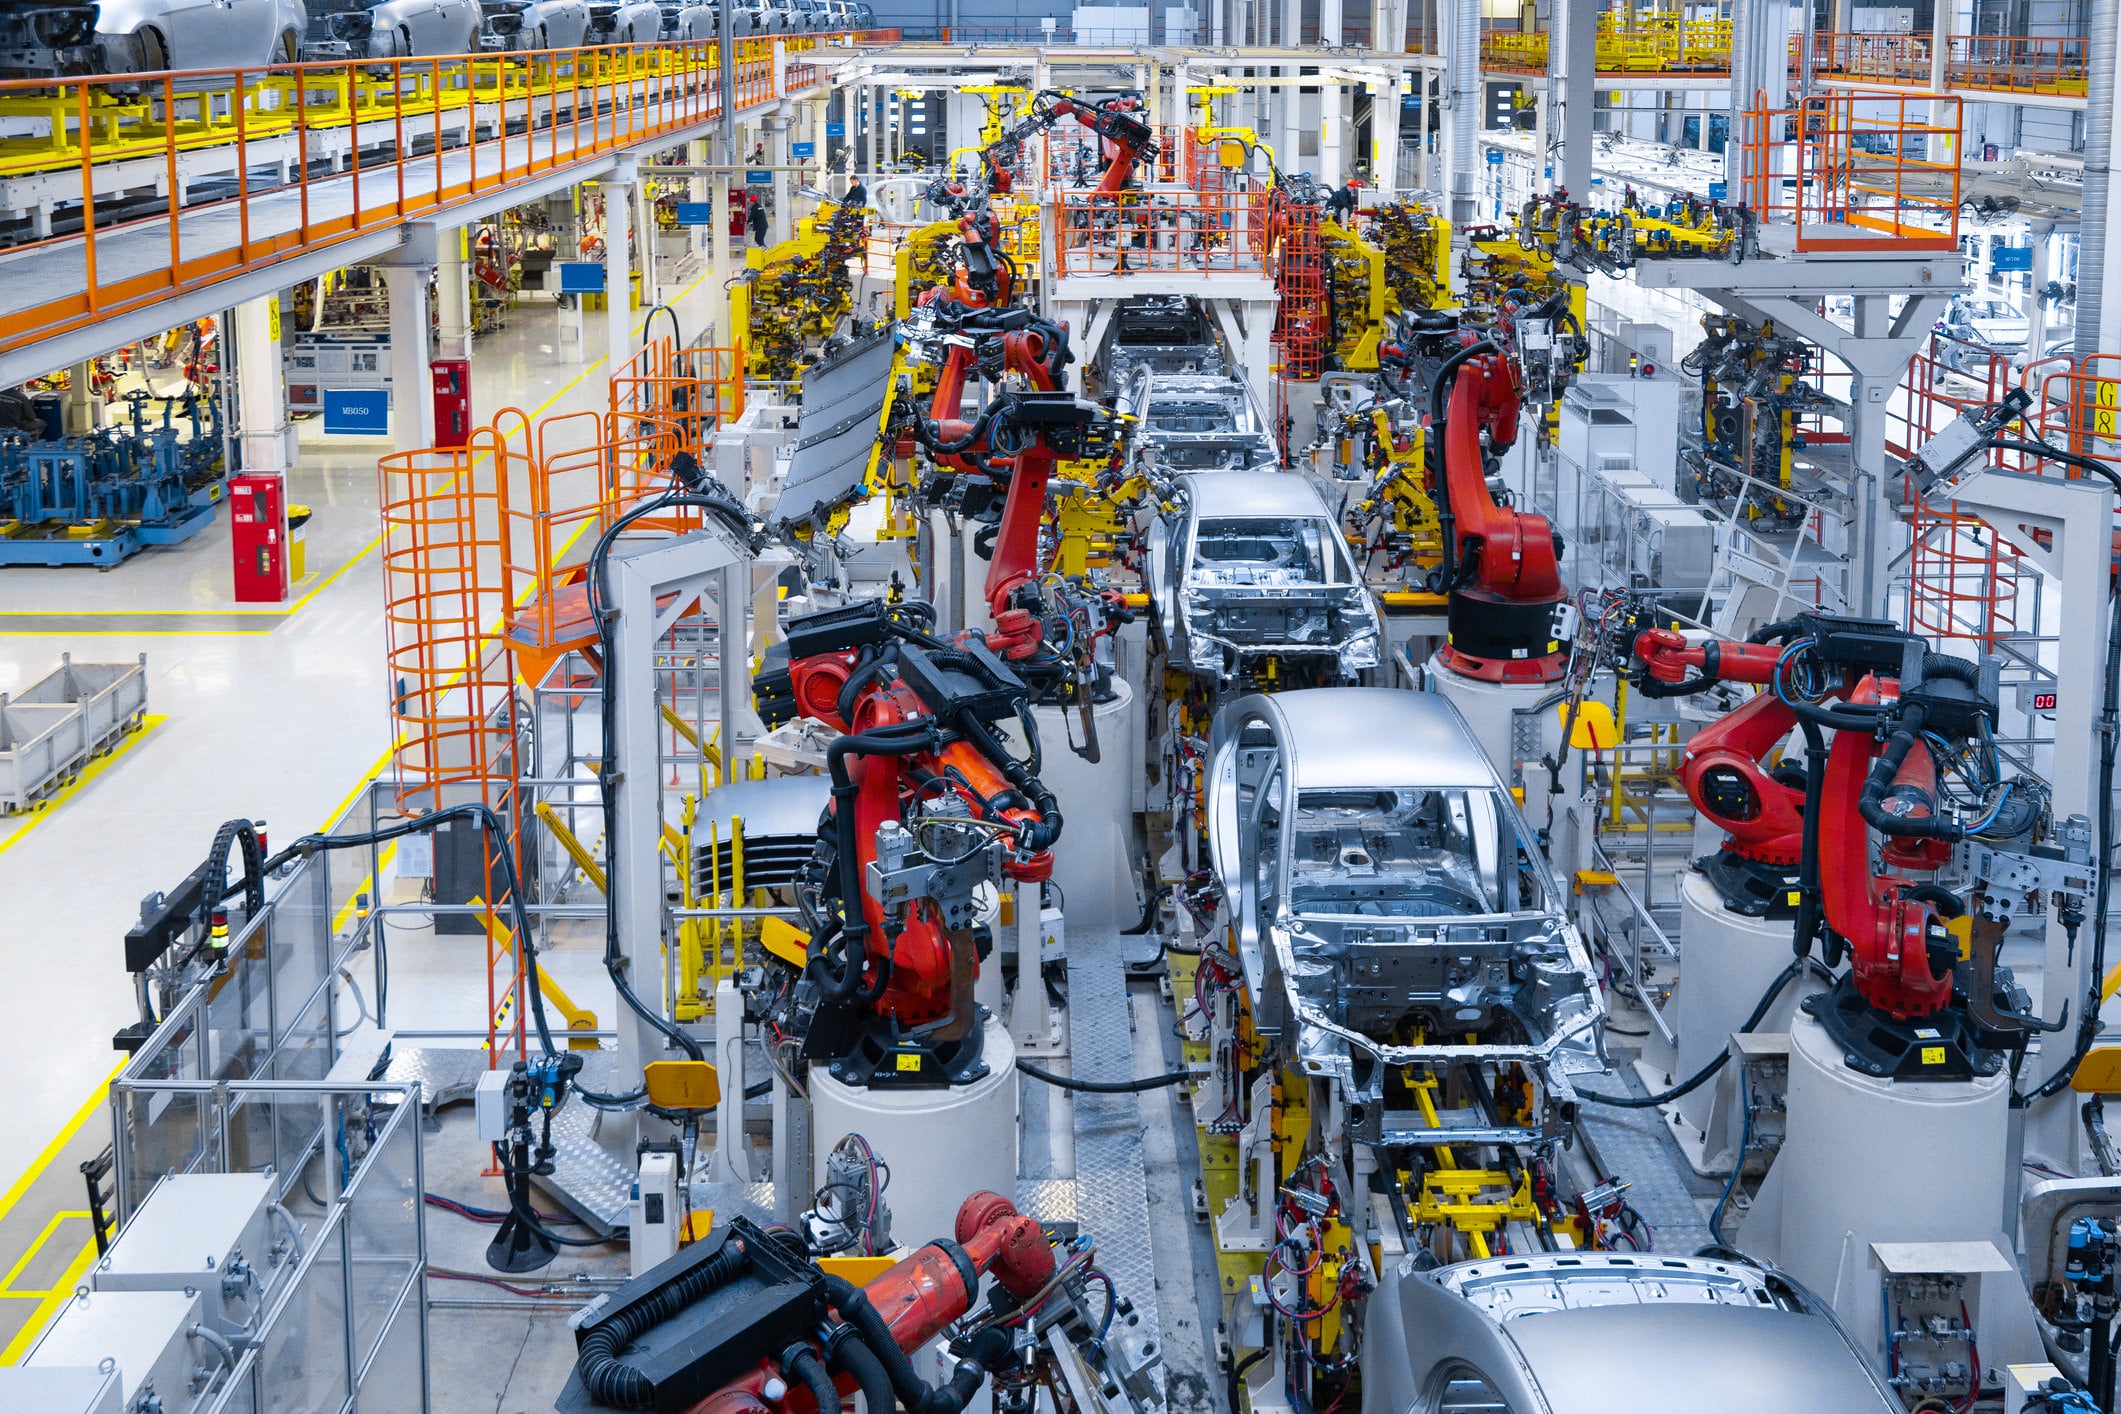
[1795, 898]
[1933, 1055]
[272, 317]
[914, 1062]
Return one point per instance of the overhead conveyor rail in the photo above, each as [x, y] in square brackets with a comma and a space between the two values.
[189, 180]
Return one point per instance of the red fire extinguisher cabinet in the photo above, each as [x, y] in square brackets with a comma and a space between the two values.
[257, 514]
[452, 399]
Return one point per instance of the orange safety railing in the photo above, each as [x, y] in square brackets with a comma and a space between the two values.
[1857, 172]
[1873, 58]
[413, 137]
[1174, 230]
[2077, 407]
[1963, 578]
[2018, 63]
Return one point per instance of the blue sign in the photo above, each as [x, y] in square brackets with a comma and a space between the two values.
[2012, 257]
[693, 213]
[357, 412]
[758, 179]
[835, 130]
[581, 277]
[802, 149]
[1494, 158]
[1719, 191]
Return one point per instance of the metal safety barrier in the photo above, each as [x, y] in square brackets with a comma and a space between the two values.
[2057, 65]
[1875, 173]
[132, 188]
[1170, 231]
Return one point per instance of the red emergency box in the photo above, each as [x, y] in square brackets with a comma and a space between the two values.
[257, 516]
[452, 392]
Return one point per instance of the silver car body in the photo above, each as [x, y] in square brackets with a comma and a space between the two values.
[1608, 1333]
[1204, 421]
[692, 23]
[384, 29]
[536, 24]
[1379, 877]
[146, 36]
[1252, 565]
[630, 22]
[40, 40]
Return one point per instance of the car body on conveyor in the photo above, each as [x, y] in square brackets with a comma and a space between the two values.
[1390, 904]
[156, 36]
[387, 29]
[1252, 566]
[1608, 1333]
[535, 24]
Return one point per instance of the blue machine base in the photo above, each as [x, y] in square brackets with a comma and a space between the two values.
[102, 551]
[175, 532]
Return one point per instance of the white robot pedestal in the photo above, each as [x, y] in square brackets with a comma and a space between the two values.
[1494, 710]
[943, 1145]
[1726, 961]
[1092, 862]
[1870, 1161]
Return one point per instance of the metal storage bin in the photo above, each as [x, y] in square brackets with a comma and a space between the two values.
[52, 728]
[112, 696]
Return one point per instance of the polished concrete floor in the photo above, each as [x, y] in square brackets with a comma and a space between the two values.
[277, 716]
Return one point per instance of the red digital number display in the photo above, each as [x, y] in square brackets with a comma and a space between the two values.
[2043, 702]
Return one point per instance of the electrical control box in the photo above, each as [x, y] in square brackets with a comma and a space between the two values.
[147, 1337]
[213, 1233]
[653, 1211]
[1932, 1317]
[490, 1105]
[86, 1390]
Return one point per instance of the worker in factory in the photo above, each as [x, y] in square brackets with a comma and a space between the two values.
[857, 194]
[758, 223]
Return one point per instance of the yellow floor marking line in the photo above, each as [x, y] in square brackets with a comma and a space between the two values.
[49, 806]
[7, 1286]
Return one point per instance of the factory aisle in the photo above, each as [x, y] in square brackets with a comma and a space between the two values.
[277, 715]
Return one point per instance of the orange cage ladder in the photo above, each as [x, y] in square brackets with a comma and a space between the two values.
[452, 679]
[1964, 579]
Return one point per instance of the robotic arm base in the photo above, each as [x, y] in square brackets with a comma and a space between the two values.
[1946, 1045]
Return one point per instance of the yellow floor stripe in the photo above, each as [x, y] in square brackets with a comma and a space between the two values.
[48, 1307]
[47, 807]
[7, 1285]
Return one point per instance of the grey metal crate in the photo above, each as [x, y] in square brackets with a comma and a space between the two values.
[112, 696]
[49, 731]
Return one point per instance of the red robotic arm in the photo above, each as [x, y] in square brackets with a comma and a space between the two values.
[1125, 139]
[1500, 563]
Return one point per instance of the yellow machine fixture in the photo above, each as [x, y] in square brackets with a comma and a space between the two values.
[792, 295]
[1399, 262]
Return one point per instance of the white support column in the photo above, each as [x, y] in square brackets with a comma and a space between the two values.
[777, 132]
[1332, 134]
[452, 294]
[617, 189]
[699, 153]
[1577, 95]
[723, 262]
[1462, 104]
[411, 358]
[2042, 238]
[644, 232]
[1330, 27]
[1384, 134]
[261, 389]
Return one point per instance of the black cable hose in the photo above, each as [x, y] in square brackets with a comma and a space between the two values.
[717, 501]
[1702, 1076]
[529, 1218]
[609, 1379]
[801, 1364]
[1238, 1373]
[851, 1356]
[843, 979]
[915, 1395]
[1104, 1087]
